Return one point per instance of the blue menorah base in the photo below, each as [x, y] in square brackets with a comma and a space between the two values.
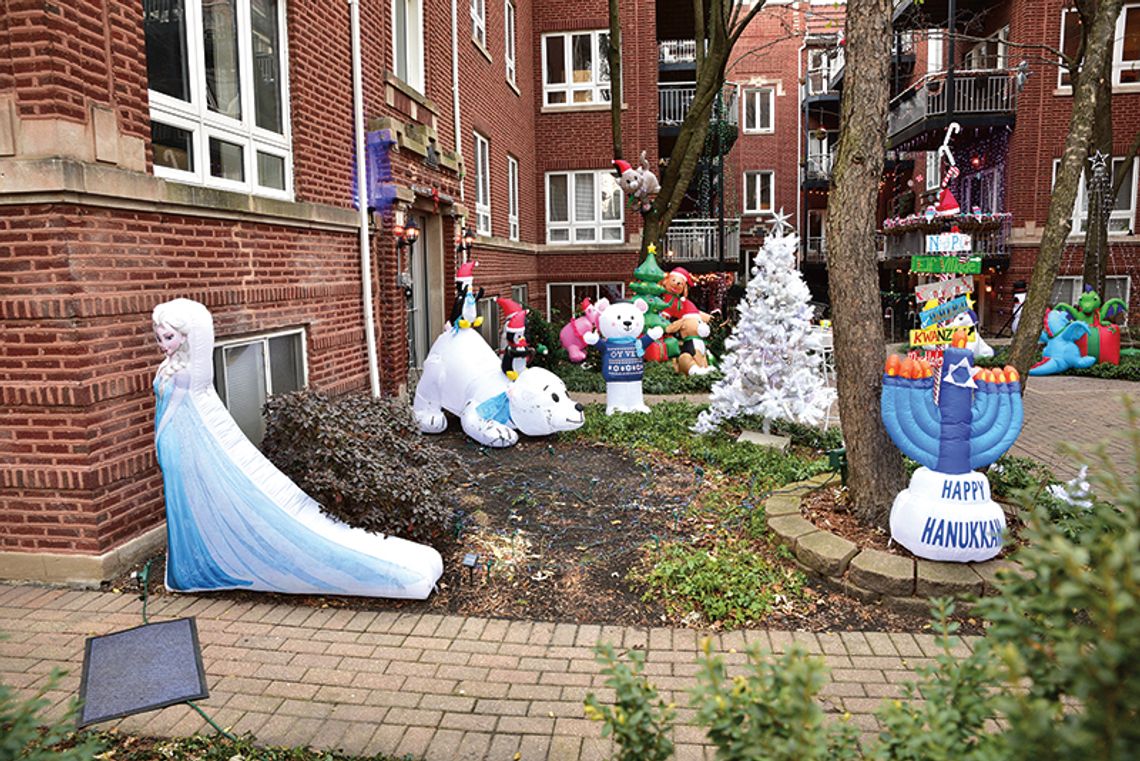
[949, 517]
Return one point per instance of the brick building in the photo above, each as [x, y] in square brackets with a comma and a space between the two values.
[151, 149]
[1013, 106]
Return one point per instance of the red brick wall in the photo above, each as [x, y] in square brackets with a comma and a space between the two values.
[60, 58]
[78, 356]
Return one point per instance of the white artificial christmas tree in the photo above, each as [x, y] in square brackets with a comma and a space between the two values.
[773, 362]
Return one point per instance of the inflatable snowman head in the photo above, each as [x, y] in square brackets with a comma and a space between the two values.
[623, 319]
[540, 405]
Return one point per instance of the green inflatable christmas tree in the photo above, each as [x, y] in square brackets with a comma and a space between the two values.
[647, 285]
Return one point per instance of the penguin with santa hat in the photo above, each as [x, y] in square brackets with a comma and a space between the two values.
[516, 352]
[465, 309]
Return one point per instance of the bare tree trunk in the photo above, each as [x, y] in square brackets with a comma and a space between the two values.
[1096, 222]
[1086, 94]
[875, 471]
[613, 55]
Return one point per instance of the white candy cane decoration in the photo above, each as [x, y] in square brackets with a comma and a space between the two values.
[944, 151]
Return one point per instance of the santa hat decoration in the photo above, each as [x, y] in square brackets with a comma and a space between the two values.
[685, 274]
[466, 273]
[513, 313]
[947, 204]
[622, 165]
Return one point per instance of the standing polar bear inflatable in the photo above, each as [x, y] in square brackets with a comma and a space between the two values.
[464, 376]
[621, 339]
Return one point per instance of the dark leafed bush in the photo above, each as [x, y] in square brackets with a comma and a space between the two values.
[365, 461]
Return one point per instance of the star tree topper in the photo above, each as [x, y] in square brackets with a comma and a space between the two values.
[780, 226]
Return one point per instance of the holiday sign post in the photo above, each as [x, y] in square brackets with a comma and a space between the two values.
[947, 512]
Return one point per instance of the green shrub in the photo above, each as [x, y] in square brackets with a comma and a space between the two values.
[365, 461]
[27, 735]
[540, 333]
[771, 713]
[1011, 475]
[582, 378]
[1127, 370]
[945, 718]
[731, 583]
[660, 378]
[639, 720]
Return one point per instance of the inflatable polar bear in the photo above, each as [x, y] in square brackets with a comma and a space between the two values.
[463, 375]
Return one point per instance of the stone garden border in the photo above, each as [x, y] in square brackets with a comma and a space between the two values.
[903, 583]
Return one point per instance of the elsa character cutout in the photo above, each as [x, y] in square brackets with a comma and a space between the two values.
[233, 520]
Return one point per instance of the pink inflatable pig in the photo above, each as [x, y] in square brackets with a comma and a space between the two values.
[572, 332]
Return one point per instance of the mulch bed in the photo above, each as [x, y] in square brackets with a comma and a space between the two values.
[557, 525]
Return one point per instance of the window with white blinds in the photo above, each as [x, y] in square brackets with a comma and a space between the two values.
[584, 207]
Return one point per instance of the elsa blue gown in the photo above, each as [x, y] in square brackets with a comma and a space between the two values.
[236, 522]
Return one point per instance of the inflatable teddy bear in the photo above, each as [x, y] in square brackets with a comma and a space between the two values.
[640, 184]
[463, 375]
[620, 326]
[693, 330]
[571, 335]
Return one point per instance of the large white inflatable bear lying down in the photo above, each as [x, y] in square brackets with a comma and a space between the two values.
[464, 376]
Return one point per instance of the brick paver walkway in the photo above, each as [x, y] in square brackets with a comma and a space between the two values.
[438, 687]
[1081, 411]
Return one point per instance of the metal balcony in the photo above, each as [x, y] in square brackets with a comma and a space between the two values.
[815, 250]
[818, 166]
[981, 97]
[989, 241]
[674, 99]
[677, 51]
[697, 240]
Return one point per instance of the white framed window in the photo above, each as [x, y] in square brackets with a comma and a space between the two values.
[816, 238]
[519, 294]
[564, 300]
[935, 51]
[482, 185]
[575, 69]
[1126, 52]
[584, 207]
[1070, 42]
[1120, 220]
[509, 41]
[408, 42]
[217, 78]
[818, 71]
[248, 370]
[990, 53]
[489, 311]
[479, 22]
[982, 190]
[1068, 288]
[759, 110]
[759, 192]
[933, 170]
[512, 198]
[821, 152]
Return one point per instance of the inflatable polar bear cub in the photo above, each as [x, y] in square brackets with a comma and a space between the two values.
[620, 339]
[464, 376]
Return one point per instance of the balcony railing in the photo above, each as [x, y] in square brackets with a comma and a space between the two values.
[674, 99]
[990, 241]
[818, 166]
[824, 79]
[695, 240]
[984, 91]
[677, 51]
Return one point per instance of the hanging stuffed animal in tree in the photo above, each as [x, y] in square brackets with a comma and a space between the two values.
[639, 184]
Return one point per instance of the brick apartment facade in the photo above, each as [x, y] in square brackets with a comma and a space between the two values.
[217, 164]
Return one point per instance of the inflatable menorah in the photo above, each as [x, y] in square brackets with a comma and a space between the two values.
[947, 513]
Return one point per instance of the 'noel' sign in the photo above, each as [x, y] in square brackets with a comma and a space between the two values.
[972, 266]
